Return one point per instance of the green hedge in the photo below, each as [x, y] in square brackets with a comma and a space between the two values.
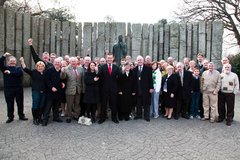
[235, 61]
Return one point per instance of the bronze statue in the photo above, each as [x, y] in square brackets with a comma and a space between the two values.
[119, 50]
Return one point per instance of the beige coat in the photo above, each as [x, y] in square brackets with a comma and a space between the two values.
[73, 86]
[210, 82]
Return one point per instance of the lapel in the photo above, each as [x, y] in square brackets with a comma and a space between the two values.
[143, 68]
[72, 73]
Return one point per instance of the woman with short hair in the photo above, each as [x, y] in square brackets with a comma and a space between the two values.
[38, 89]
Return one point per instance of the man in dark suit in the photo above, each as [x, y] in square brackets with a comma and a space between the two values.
[144, 88]
[108, 75]
[54, 90]
[184, 91]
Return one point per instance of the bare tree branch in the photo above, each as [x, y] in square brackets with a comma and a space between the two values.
[2, 2]
[227, 11]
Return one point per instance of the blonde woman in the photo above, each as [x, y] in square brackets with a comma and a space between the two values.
[38, 89]
[169, 91]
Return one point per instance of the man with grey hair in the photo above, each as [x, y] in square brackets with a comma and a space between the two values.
[144, 88]
[224, 61]
[186, 61]
[226, 95]
[210, 85]
[102, 61]
[54, 89]
[74, 79]
[170, 60]
[184, 91]
[66, 58]
[148, 61]
[87, 60]
[13, 88]
[204, 66]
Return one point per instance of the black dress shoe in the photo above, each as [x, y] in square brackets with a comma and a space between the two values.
[40, 121]
[44, 123]
[168, 118]
[147, 119]
[137, 117]
[185, 116]
[93, 120]
[57, 120]
[228, 123]
[115, 121]
[9, 120]
[68, 120]
[23, 118]
[35, 122]
[101, 121]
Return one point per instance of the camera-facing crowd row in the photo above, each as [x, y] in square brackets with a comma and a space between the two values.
[77, 86]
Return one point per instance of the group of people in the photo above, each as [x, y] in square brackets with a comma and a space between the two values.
[77, 86]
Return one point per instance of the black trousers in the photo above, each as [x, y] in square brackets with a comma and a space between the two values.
[54, 104]
[201, 111]
[182, 106]
[10, 95]
[91, 111]
[226, 105]
[123, 115]
[112, 97]
[140, 106]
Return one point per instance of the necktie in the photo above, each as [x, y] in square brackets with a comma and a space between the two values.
[181, 76]
[109, 69]
[76, 74]
[139, 72]
[140, 69]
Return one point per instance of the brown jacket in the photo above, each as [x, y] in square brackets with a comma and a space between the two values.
[73, 86]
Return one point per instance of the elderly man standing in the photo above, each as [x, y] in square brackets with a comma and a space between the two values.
[13, 88]
[184, 91]
[144, 88]
[54, 89]
[229, 87]
[211, 82]
[74, 80]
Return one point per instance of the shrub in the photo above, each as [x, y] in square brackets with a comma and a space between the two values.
[235, 61]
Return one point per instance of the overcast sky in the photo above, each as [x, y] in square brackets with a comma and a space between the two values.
[135, 11]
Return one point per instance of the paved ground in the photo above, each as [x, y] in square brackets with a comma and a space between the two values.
[136, 139]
